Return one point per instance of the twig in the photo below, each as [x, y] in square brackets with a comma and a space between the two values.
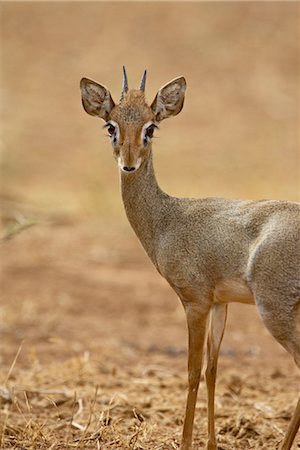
[92, 406]
[14, 363]
[78, 426]
[71, 420]
[27, 402]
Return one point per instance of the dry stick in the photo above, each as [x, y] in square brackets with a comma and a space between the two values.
[27, 402]
[92, 406]
[78, 412]
[13, 363]
[71, 420]
[57, 412]
[110, 407]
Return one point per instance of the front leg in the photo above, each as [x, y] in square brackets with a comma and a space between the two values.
[196, 316]
[215, 336]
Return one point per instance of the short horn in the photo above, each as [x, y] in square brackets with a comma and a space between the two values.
[125, 83]
[143, 81]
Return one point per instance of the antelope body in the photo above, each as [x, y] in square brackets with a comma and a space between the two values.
[212, 251]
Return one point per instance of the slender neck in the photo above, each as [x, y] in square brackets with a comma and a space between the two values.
[144, 203]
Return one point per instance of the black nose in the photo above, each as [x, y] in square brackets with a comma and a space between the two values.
[128, 168]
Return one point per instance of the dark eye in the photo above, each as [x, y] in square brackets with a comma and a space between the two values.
[150, 131]
[111, 129]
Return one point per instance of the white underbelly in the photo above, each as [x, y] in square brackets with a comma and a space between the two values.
[228, 291]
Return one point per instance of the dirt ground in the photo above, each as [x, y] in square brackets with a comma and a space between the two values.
[102, 352]
[93, 340]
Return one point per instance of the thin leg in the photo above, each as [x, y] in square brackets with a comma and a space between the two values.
[295, 422]
[196, 320]
[292, 430]
[215, 336]
[283, 322]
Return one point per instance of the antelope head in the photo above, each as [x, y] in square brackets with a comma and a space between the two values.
[132, 122]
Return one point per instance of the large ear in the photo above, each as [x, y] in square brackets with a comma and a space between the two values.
[96, 99]
[169, 99]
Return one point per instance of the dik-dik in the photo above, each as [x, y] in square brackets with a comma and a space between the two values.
[212, 251]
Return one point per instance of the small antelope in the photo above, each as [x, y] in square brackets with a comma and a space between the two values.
[212, 251]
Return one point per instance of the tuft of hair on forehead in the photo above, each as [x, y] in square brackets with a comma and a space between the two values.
[132, 109]
[134, 96]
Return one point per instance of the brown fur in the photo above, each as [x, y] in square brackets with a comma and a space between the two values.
[211, 251]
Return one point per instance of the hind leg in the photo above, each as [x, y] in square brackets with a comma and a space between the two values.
[282, 318]
[295, 421]
[292, 430]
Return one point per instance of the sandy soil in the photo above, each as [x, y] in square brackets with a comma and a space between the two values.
[103, 347]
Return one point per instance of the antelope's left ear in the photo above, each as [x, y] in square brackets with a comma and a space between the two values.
[169, 99]
[96, 99]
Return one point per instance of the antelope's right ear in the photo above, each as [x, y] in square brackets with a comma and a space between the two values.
[96, 99]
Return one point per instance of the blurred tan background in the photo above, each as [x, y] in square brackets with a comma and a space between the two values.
[76, 288]
[237, 135]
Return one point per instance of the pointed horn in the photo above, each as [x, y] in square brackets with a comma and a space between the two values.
[143, 81]
[125, 83]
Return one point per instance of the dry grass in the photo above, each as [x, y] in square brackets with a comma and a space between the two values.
[58, 406]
